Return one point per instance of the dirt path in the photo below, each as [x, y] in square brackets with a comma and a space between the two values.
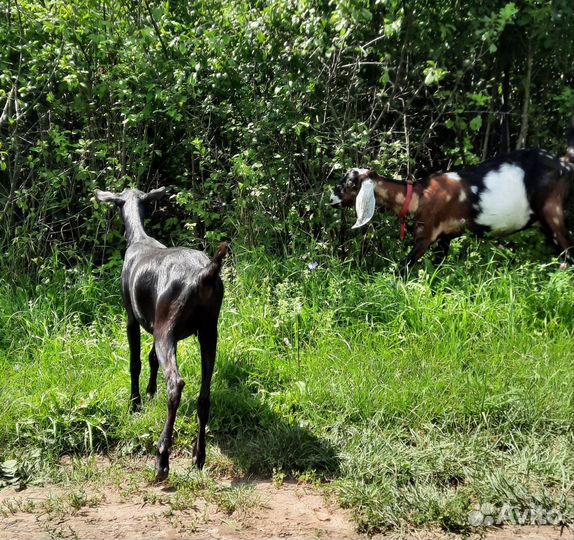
[131, 507]
[288, 511]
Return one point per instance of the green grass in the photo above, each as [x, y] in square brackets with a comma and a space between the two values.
[416, 399]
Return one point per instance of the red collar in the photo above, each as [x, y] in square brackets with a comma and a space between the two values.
[405, 211]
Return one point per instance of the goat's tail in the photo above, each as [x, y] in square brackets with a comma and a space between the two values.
[569, 157]
[213, 268]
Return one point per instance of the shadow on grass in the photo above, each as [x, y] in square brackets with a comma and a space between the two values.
[255, 437]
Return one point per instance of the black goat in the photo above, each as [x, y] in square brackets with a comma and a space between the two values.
[172, 293]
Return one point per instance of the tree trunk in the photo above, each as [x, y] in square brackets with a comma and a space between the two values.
[525, 105]
[505, 120]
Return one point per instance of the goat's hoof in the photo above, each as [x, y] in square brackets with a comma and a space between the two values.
[161, 474]
[198, 458]
[136, 405]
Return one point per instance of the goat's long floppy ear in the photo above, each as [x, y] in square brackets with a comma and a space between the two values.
[365, 203]
[154, 194]
[107, 196]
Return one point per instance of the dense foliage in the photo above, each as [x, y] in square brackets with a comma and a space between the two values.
[247, 110]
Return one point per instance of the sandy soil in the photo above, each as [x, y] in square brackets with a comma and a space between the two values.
[115, 511]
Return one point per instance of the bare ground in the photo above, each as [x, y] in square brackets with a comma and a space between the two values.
[131, 507]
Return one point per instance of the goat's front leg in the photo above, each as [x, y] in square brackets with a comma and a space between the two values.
[153, 367]
[166, 353]
[208, 345]
[442, 249]
[133, 329]
[422, 244]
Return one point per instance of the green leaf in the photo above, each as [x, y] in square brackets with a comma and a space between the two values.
[476, 123]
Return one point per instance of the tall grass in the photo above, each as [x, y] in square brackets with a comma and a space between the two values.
[417, 398]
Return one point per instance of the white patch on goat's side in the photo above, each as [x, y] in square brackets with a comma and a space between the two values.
[503, 203]
[453, 176]
[335, 199]
[462, 196]
[474, 189]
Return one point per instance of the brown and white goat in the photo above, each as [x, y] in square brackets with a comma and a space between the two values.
[500, 196]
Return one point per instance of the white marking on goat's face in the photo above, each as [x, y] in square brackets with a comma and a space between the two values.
[453, 176]
[474, 189]
[462, 196]
[556, 221]
[503, 203]
[346, 192]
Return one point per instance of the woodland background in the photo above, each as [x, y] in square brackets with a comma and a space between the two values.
[250, 110]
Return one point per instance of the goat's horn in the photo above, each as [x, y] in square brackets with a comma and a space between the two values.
[106, 196]
[155, 194]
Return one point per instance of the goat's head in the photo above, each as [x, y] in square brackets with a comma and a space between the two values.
[129, 194]
[357, 188]
[130, 200]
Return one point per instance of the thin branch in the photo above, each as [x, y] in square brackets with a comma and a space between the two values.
[6, 109]
[156, 29]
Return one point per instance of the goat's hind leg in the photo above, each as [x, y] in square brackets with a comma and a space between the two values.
[208, 345]
[153, 367]
[133, 330]
[554, 225]
[166, 353]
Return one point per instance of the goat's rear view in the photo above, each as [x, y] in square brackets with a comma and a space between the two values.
[172, 293]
